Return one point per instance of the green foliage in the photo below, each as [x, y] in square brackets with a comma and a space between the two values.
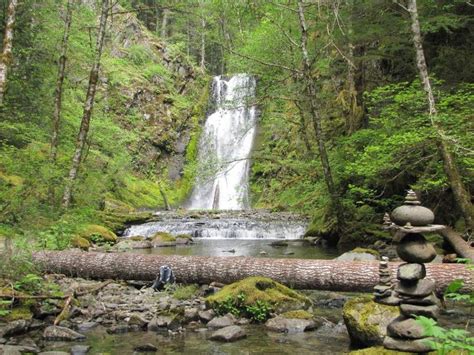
[29, 283]
[185, 292]
[257, 312]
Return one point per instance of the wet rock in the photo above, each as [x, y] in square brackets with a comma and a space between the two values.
[221, 322]
[411, 310]
[428, 300]
[16, 327]
[138, 321]
[191, 314]
[54, 352]
[421, 289]
[331, 329]
[80, 349]
[119, 329]
[367, 321]
[82, 327]
[290, 325]
[229, 333]
[12, 349]
[415, 249]
[206, 316]
[58, 333]
[411, 272]
[279, 243]
[145, 348]
[171, 322]
[415, 346]
[402, 327]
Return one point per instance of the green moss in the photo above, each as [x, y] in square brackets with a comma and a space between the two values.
[22, 312]
[367, 320]
[298, 314]
[366, 251]
[137, 238]
[184, 236]
[93, 230]
[260, 289]
[12, 180]
[185, 292]
[80, 242]
[118, 221]
[163, 237]
[378, 350]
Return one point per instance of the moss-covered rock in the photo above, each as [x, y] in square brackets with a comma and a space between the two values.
[97, 234]
[377, 350]
[118, 221]
[298, 314]
[367, 321]
[80, 242]
[21, 312]
[261, 289]
[163, 239]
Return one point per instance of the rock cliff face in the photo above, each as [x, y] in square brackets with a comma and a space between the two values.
[157, 85]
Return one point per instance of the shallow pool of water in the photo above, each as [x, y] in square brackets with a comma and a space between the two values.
[245, 247]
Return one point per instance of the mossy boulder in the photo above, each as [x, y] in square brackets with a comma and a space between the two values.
[377, 350]
[80, 242]
[97, 234]
[298, 314]
[17, 313]
[163, 239]
[255, 289]
[367, 321]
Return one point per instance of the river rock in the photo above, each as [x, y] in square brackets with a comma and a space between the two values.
[221, 322]
[206, 316]
[421, 289]
[367, 321]
[58, 333]
[412, 345]
[136, 320]
[410, 310]
[229, 333]
[402, 327]
[414, 214]
[415, 249]
[53, 352]
[82, 327]
[425, 301]
[80, 349]
[290, 325]
[11, 349]
[16, 327]
[191, 314]
[146, 348]
[411, 272]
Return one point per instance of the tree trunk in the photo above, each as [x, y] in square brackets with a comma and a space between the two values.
[164, 23]
[88, 106]
[303, 129]
[460, 246]
[203, 44]
[316, 118]
[6, 57]
[297, 273]
[59, 83]
[461, 195]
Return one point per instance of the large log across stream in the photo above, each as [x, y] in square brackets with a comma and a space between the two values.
[298, 273]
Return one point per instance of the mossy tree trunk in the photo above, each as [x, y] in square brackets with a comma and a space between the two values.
[297, 273]
[6, 57]
[317, 122]
[88, 106]
[461, 195]
[59, 82]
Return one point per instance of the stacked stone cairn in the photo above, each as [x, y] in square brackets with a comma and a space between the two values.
[383, 291]
[415, 292]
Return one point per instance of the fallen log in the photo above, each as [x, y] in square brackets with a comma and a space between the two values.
[297, 273]
[460, 246]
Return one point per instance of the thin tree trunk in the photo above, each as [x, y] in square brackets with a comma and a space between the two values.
[297, 273]
[316, 118]
[88, 106]
[461, 195]
[6, 57]
[59, 82]
[203, 44]
[164, 23]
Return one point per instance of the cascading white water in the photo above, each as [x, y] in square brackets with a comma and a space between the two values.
[225, 146]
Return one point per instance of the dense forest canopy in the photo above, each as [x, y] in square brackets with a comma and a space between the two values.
[345, 125]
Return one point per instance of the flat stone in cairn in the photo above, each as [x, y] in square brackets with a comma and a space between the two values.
[403, 327]
[415, 249]
[411, 345]
[425, 301]
[420, 289]
[410, 310]
[411, 272]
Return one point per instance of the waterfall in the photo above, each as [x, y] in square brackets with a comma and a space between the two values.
[225, 146]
